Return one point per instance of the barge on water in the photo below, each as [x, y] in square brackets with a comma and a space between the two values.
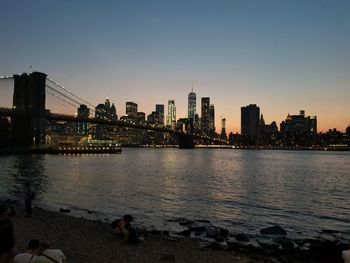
[87, 147]
[90, 146]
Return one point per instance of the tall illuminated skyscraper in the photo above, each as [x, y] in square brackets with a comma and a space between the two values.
[191, 105]
[171, 120]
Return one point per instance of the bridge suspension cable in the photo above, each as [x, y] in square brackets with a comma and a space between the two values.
[52, 94]
[66, 98]
[74, 95]
[199, 128]
[207, 136]
[62, 94]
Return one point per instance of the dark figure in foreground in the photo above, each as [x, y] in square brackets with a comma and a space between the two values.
[48, 255]
[124, 229]
[28, 198]
[7, 242]
[31, 254]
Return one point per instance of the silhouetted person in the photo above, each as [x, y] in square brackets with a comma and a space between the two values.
[124, 229]
[7, 242]
[28, 198]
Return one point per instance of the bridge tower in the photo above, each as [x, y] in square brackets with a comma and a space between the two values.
[186, 140]
[29, 121]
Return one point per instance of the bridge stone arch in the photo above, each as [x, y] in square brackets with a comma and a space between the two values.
[29, 120]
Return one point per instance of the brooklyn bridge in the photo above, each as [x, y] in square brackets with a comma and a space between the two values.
[29, 118]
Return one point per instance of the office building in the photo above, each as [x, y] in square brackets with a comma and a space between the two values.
[250, 121]
[223, 135]
[160, 109]
[171, 120]
[83, 127]
[205, 115]
[299, 130]
[131, 109]
[192, 105]
[212, 120]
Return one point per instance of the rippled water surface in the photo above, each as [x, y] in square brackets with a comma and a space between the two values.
[243, 191]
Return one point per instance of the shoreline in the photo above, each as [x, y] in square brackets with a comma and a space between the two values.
[84, 240]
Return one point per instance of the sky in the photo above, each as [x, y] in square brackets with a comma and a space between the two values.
[283, 55]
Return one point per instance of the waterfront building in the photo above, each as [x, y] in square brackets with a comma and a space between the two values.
[250, 122]
[299, 130]
[192, 100]
[131, 109]
[269, 135]
[83, 127]
[160, 109]
[205, 115]
[171, 120]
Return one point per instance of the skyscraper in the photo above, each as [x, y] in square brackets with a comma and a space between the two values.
[250, 121]
[223, 135]
[212, 120]
[83, 127]
[191, 105]
[205, 115]
[107, 104]
[160, 109]
[113, 113]
[131, 109]
[171, 120]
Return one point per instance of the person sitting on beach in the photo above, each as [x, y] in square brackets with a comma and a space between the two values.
[47, 255]
[30, 255]
[124, 229]
[7, 241]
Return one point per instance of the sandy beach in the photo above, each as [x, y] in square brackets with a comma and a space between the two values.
[92, 241]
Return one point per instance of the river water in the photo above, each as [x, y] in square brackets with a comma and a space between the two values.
[241, 190]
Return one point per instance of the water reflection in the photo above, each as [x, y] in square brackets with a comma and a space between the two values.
[302, 191]
[24, 170]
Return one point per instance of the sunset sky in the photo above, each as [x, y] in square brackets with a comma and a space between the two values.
[283, 55]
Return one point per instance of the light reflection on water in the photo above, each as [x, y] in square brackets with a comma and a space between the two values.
[237, 189]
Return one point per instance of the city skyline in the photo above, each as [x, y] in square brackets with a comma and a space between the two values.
[284, 57]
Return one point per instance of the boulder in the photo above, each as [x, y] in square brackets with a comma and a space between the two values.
[273, 230]
[64, 210]
[242, 237]
[212, 231]
[186, 233]
[224, 232]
